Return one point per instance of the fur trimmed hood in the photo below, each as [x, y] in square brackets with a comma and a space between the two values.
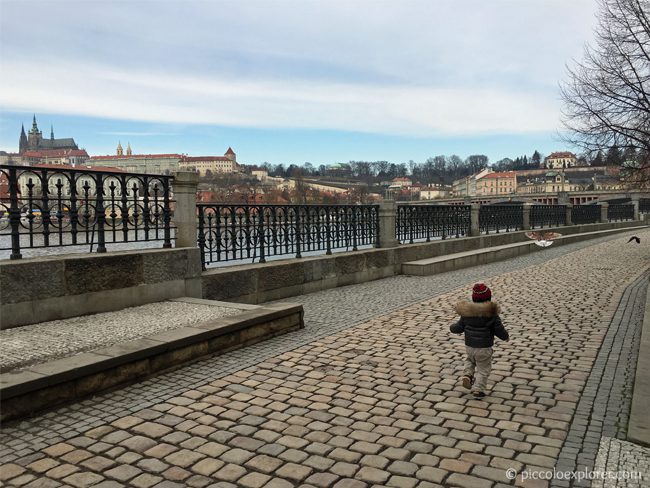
[482, 309]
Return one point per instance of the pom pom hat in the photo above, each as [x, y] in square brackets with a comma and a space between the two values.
[481, 293]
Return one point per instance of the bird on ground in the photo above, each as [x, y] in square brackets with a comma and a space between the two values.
[635, 238]
[543, 239]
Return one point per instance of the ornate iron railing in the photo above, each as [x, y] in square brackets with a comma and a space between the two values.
[500, 218]
[644, 205]
[621, 211]
[547, 216]
[237, 232]
[585, 214]
[426, 222]
[51, 207]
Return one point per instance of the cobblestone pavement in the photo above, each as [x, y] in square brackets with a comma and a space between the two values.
[338, 404]
[604, 406]
[31, 344]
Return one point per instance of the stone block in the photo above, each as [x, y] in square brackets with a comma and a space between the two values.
[178, 356]
[109, 378]
[224, 284]
[271, 276]
[350, 263]
[98, 273]
[31, 279]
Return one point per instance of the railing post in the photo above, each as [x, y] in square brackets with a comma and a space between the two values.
[603, 212]
[387, 219]
[525, 218]
[100, 213]
[568, 213]
[636, 208]
[184, 189]
[474, 225]
[14, 214]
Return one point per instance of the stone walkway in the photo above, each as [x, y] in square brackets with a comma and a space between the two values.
[372, 404]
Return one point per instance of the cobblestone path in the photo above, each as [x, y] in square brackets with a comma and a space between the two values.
[372, 404]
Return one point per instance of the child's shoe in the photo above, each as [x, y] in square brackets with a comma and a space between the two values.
[468, 381]
[478, 394]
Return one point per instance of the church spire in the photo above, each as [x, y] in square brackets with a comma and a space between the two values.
[52, 132]
[34, 126]
[22, 145]
[120, 151]
[129, 152]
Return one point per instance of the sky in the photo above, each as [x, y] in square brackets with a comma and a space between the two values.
[317, 81]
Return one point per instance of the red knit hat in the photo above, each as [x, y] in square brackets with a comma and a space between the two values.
[481, 293]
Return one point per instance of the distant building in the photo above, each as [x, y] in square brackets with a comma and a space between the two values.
[492, 184]
[259, 173]
[433, 192]
[213, 164]
[553, 182]
[466, 187]
[138, 163]
[34, 141]
[401, 182]
[560, 160]
[72, 157]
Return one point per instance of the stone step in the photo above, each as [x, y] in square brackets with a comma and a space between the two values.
[451, 262]
[57, 381]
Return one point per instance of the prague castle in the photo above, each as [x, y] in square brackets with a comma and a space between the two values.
[34, 141]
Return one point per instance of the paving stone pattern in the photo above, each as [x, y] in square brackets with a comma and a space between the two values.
[32, 344]
[374, 404]
[604, 406]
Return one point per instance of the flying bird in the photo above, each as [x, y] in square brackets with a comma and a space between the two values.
[635, 238]
[543, 239]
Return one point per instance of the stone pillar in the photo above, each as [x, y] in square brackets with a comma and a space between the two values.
[569, 211]
[636, 209]
[525, 219]
[474, 228]
[387, 220]
[603, 212]
[184, 187]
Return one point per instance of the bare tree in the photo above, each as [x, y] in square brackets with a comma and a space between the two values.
[607, 95]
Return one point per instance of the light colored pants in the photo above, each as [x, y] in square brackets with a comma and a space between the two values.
[478, 365]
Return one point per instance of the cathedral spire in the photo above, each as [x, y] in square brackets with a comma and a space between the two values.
[120, 151]
[52, 132]
[22, 145]
[129, 152]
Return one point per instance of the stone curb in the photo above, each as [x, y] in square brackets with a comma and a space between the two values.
[59, 381]
[639, 426]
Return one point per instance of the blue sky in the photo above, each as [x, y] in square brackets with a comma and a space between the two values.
[291, 81]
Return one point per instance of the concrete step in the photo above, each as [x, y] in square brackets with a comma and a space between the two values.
[451, 262]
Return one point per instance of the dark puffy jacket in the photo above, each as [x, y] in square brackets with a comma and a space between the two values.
[480, 322]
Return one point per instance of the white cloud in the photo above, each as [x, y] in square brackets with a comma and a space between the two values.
[421, 68]
[159, 97]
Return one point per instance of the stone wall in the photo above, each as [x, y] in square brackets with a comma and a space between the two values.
[258, 283]
[49, 288]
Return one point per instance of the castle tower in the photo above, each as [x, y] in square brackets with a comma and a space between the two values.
[128, 149]
[22, 145]
[120, 151]
[35, 136]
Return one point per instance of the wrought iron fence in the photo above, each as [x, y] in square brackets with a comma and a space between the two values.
[644, 205]
[500, 218]
[547, 216]
[585, 214]
[236, 232]
[621, 211]
[50, 207]
[426, 222]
